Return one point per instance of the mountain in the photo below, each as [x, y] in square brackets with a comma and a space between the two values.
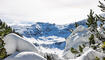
[50, 42]
[46, 29]
[46, 35]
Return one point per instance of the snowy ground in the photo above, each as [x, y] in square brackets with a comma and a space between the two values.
[50, 44]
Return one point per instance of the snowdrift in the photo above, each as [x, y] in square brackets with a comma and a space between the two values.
[25, 56]
[14, 42]
[20, 49]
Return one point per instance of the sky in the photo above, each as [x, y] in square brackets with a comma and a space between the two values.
[52, 11]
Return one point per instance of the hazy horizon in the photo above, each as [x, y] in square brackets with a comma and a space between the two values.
[52, 11]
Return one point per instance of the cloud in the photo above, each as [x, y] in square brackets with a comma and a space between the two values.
[54, 11]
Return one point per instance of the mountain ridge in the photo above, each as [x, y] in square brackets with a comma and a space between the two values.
[46, 29]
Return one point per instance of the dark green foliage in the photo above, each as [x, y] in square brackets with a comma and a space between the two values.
[91, 39]
[3, 53]
[97, 58]
[92, 20]
[102, 6]
[77, 52]
[103, 46]
[4, 30]
[103, 58]
[80, 48]
[74, 50]
[98, 35]
[101, 19]
[83, 45]
[94, 47]
[50, 56]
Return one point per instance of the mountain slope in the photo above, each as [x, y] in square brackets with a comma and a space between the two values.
[46, 29]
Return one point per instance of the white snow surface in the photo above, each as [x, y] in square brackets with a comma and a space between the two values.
[79, 36]
[20, 49]
[26, 55]
[51, 45]
[14, 42]
[91, 55]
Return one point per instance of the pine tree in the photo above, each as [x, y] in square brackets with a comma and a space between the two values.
[92, 21]
[102, 6]
[80, 48]
[102, 20]
[4, 30]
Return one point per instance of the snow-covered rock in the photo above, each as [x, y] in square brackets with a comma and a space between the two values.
[25, 56]
[79, 36]
[14, 42]
[91, 55]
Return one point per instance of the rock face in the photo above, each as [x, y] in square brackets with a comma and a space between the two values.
[25, 56]
[79, 36]
[14, 42]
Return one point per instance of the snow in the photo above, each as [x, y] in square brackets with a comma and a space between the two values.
[25, 48]
[90, 55]
[26, 55]
[47, 36]
[20, 49]
[51, 45]
[41, 29]
[14, 42]
[50, 39]
[10, 45]
[79, 36]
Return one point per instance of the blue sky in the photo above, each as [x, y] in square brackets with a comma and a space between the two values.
[53, 11]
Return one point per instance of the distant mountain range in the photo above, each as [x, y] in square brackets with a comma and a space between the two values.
[46, 29]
